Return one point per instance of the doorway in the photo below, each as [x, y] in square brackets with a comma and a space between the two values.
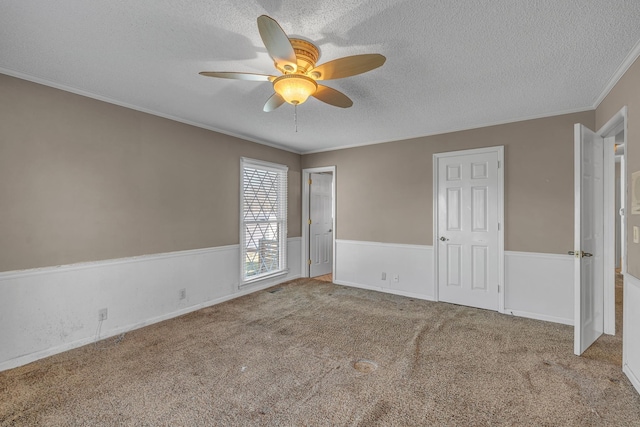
[318, 222]
[468, 233]
[614, 233]
[600, 230]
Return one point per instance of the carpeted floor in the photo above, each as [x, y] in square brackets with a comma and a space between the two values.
[314, 353]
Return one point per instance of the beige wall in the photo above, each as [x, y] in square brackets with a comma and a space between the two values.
[384, 191]
[627, 92]
[84, 180]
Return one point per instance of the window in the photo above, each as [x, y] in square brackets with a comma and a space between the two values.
[263, 220]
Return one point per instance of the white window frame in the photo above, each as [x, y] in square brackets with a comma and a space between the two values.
[246, 243]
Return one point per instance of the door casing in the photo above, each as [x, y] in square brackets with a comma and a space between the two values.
[305, 217]
[615, 125]
[320, 229]
[500, 152]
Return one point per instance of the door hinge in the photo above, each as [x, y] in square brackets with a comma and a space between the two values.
[498, 226]
[499, 164]
[498, 288]
[310, 181]
[309, 221]
[309, 262]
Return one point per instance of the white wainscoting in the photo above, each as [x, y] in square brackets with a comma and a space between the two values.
[48, 310]
[361, 264]
[539, 286]
[631, 330]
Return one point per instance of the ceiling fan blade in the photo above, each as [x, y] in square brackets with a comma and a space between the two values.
[274, 102]
[238, 76]
[332, 97]
[277, 42]
[348, 66]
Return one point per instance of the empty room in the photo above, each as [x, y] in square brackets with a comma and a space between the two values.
[320, 213]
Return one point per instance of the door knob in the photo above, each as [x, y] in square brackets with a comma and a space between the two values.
[330, 230]
[580, 254]
[444, 239]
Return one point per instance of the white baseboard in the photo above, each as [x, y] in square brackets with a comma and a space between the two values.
[635, 381]
[385, 290]
[631, 330]
[538, 316]
[363, 263]
[537, 285]
[356, 285]
[49, 310]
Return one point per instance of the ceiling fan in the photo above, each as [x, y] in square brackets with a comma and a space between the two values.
[296, 60]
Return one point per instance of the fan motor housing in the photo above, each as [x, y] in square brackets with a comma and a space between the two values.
[307, 55]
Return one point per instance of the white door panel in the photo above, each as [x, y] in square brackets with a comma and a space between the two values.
[467, 229]
[320, 229]
[588, 240]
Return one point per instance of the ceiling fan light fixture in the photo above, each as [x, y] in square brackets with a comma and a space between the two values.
[295, 88]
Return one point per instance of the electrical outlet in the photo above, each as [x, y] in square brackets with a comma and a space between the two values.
[183, 293]
[384, 276]
[102, 314]
[396, 278]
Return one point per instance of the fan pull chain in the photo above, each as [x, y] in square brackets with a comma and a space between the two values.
[295, 116]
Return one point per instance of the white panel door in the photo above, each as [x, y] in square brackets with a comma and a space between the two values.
[320, 229]
[588, 238]
[468, 229]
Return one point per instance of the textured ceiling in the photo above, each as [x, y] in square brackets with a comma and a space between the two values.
[451, 65]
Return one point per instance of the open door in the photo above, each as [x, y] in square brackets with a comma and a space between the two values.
[320, 224]
[588, 240]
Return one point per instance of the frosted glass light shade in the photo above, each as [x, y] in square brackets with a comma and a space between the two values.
[295, 88]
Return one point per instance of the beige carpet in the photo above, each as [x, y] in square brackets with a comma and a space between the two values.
[288, 357]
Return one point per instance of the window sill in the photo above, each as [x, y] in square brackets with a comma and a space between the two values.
[259, 279]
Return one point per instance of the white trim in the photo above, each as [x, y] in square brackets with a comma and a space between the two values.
[616, 124]
[253, 139]
[499, 150]
[537, 316]
[384, 290]
[306, 192]
[395, 268]
[64, 268]
[381, 244]
[357, 285]
[622, 69]
[540, 255]
[454, 129]
[282, 218]
[539, 286]
[276, 167]
[635, 381]
[23, 360]
[108, 100]
[49, 310]
[630, 329]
